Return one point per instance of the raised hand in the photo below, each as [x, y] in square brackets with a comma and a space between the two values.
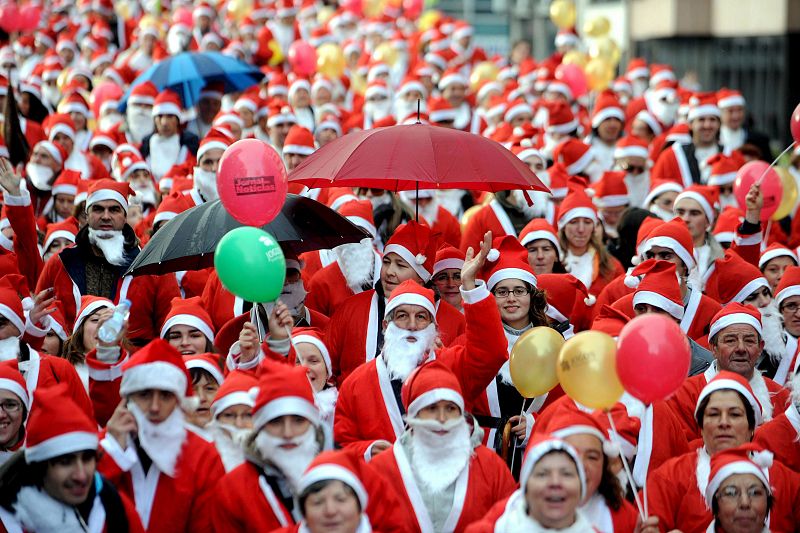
[473, 263]
[9, 179]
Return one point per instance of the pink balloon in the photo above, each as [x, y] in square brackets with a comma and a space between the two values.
[183, 15]
[9, 17]
[354, 6]
[771, 187]
[252, 182]
[574, 77]
[794, 124]
[30, 17]
[303, 58]
[653, 357]
[102, 92]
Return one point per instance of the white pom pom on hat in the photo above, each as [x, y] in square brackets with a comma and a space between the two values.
[763, 458]
[493, 255]
[611, 449]
[590, 300]
[420, 259]
[631, 281]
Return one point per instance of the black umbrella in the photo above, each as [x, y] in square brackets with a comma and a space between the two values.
[188, 241]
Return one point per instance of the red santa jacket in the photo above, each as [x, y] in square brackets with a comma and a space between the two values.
[359, 423]
[150, 295]
[167, 504]
[33, 131]
[780, 436]
[315, 261]
[675, 494]
[491, 217]
[352, 333]
[485, 480]
[328, 288]
[26, 239]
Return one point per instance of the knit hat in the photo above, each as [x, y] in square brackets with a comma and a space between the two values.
[775, 250]
[539, 446]
[416, 244]
[707, 197]
[735, 313]
[507, 259]
[205, 361]
[724, 168]
[314, 337]
[299, 141]
[66, 229]
[10, 303]
[659, 287]
[607, 106]
[738, 279]
[108, 189]
[430, 383]
[448, 257]
[538, 228]
[610, 190]
[58, 426]
[630, 146]
[167, 103]
[726, 380]
[789, 285]
[235, 390]
[283, 390]
[410, 292]
[12, 381]
[339, 465]
[748, 458]
[156, 366]
[577, 203]
[675, 236]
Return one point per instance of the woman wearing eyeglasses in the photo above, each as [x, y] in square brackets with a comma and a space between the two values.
[447, 275]
[14, 404]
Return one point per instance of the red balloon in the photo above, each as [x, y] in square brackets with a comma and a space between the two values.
[771, 186]
[9, 17]
[30, 17]
[252, 182]
[354, 6]
[303, 58]
[413, 8]
[653, 357]
[794, 124]
[574, 77]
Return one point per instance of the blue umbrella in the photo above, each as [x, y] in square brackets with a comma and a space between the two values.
[188, 72]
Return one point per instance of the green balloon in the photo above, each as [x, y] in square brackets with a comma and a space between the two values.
[250, 264]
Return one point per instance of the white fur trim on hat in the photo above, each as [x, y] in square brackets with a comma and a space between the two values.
[749, 289]
[658, 300]
[518, 109]
[563, 128]
[166, 108]
[722, 179]
[141, 99]
[731, 101]
[510, 273]
[208, 367]
[650, 120]
[330, 125]
[705, 110]
[612, 200]
[91, 308]
[582, 162]
[188, 320]
[543, 448]
[329, 471]
[769, 255]
[661, 189]
[158, 375]
[164, 216]
[63, 444]
[672, 244]
[319, 345]
[13, 317]
[607, 113]
[286, 405]
[538, 235]
[792, 290]
[530, 152]
[442, 115]
[412, 86]
[60, 234]
[450, 79]
[578, 212]
[409, 258]
[631, 151]
[106, 194]
[728, 384]
[297, 149]
[730, 469]
[700, 199]
[735, 318]
[15, 388]
[61, 128]
[409, 299]
[432, 396]
[234, 398]
[449, 263]
[580, 430]
[283, 118]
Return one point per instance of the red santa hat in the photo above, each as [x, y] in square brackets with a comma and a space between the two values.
[440, 110]
[66, 183]
[724, 168]
[58, 123]
[12, 381]
[66, 229]
[359, 212]
[314, 337]
[707, 197]
[103, 138]
[659, 287]
[703, 106]
[235, 390]
[330, 121]
[169, 208]
[630, 146]
[574, 154]
[108, 189]
[538, 228]
[748, 458]
[729, 98]
[659, 187]
[568, 299]
[558, 181]
[298, 84]
[516, 108]
[280, 113]
[560, 118]
[450, 77]
[339, 465]
[283, 390]
[775, 250]
[416, 245]
[340, 196]
[621, 84]
[376, 87]
[448, 257]
[205, 361]
[411, 83]
[637, 68]
[299, 141]
[278, 85]
[789, 285]
[726, 380]
[58, 322]
[247, 101]
[225, 119]
[652, 122]
[214, 139]
[660, 73]
[285, 8]
[430, 383]
[675, 236]
[189, 312]
[735, 313]
[58, 426]
[610, 190]
[647, 226]
[410, 292]
[74, 103]
[156, 366]
[89, 305]
[10, 303]
[610, 320]
[507, 259]
[567, 37]
[167, 103]
[738, 279]
[607, 106]
[130, 163]
[569, 422]
[541, 445]
[577, 203]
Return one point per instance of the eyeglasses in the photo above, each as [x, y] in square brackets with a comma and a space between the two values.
[444, 276]
[791, 307]
[733, 493]
[633, 169]
[519, 292]
[10, 406]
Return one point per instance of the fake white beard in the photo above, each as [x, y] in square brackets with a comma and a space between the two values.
[661, 213]
[52, 95]
[378, 111]
[229, 441]
[37, 511]
[292, 463]
[400, 355]
[293, 295]
[146, 195]
[549, 145]
[107, 122]
[772, 325]
[664, 112]
[111, 243]
[206, 184]
[403, 108]
[162, 442]
[763, 395]
[9, 348]
[326, 402]
[530, 211]
[430, 212]
[639, 86]
[594, 170]
[726, 200]
[356, 263]
[439, 459]
[164, 152]
[140, 123]
[40, 175]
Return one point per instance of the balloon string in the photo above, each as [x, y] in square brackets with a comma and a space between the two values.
[615, 437]
[759, 180]
[514, 439]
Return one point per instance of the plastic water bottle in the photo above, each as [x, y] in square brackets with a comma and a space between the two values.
[110, 329]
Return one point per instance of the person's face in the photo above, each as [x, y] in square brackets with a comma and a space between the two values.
[733, 117]
[555, 96]
[293, 160]
[187, 339]
[536, 164]
[51, 344]
[760, 297]
[705, 130]
[412, 96]
[322, 96]
[542, 255]
[7, 329]
[514, 309]
[326, 135]
[148, 42]
[742, 504]
[609, 129]
[106, 215]
[633, 165]
[520, 52]
[579, 232]
[41, 156]
[411, 318]
[103, 152]
[66, 55]
[441, 411]
[666, 200]
[775, 268]
[64, 204]
[643, 309]
[667, 254]
[79, 119]
[394, 271]
[455, 93]
[334, 509]
[448, 281]
[278, 133]
[11, 413]
[65, 141]
[611, 215]
[521, 119]
[247, 116]
[156, 404]
[791, 316]
[553, 491]
[590, 450]
[287, 427]
[210, 159]
[204, 390]
[68, 478]
[694, 216]
[140, 178]
[737, 348]
[301, 98]
[640, 129]
[316, 369]
[725, 422]
[166, 125]
[239, 416]
[90, 326]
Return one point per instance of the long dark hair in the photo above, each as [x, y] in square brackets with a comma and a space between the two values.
[609, 487]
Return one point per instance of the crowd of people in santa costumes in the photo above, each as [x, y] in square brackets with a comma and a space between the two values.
[376, 393]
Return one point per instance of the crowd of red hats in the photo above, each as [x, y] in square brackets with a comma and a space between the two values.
[376, 394]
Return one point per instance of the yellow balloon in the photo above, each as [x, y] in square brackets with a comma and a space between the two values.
[597, 27]
[324, 14]
[599, 74]
[605, 48]
[587, 369]
[385, 53]
[428, 19]
[358, 84]
[562, 13]
[575, 57]
[374, 8]
[61, 81]
[789, 198]
[485, 70]
[534, 359]
[277, 53]
[240, 8]
[330, 60]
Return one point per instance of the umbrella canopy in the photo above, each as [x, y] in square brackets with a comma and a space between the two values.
[188, 72]
[188, 241]
[415, 156]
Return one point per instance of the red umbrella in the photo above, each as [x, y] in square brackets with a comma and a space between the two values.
[403, 158]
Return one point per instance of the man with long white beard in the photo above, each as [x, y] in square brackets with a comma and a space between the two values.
[440, 457]
[139, 112]
[286, 437]
[103, 251]
[781, 434]
[150, 450]
[283, 26]
[453, 86]
[377, 103]
[410, 339]
[168, 145]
